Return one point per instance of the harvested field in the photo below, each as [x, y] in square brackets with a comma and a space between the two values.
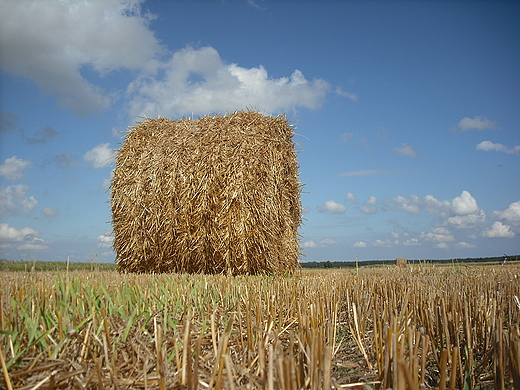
[387, 327]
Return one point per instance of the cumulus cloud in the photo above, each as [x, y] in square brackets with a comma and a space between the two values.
[26, 238]
[198, 81]
[309, 244]
[320, 244]
[412, 242]
[14, 167]
[333, 207]
[498, 230]
[468, 221]
[53, 42]
[36, 244]
[328, 241]
[383, 243]
[100, 156]
[14, 200]
[360, 244]
[439, 234]
[349, 95]
[464, 245]
[408, 205]
[351, 197]
[462, 212]
[49, 212]
[464, 204]
[488, 146]
[372, 200]
[12, 234]
[405, 150]
[368, 209]
[50, 41]
[105, 240]
[511, 215]
[478, 123]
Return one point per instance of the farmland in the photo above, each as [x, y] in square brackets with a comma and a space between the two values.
[420, 326]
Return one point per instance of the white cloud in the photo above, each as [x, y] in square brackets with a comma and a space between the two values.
[467, 222]
[26, 238]
[372, 200]
[219, 87]
[511, 215]
[309, 244]
[105, 241]
[464, 204]
[462, 212]
[331, 206]
[360, 244]
[405, 150]
[407, 205]
[14, 167]
[13, 200]
[442, 245]
[478, 123]
[321, 244]
[465, 245]
[440, 234]
[35, 245]
[351, 197]
[383, 243]
[328, 241]
[12, 234]
[412, 242]
[100, 156]
[50, 213]
[368, 209]
[488, 145]
[498, 230]
[50, 41]
[349, 95]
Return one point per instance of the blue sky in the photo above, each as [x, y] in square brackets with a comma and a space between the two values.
[407, 114]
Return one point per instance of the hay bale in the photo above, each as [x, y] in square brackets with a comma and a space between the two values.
[219, 194]
[400, 262]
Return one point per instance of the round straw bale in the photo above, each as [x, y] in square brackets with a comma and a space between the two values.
[219, 194]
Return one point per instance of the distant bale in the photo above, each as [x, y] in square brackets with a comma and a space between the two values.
[400, 262]
[219, 194]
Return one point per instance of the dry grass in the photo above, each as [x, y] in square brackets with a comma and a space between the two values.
[418, 327]
[219, 194]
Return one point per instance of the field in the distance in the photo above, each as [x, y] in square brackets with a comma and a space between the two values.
[420, 326]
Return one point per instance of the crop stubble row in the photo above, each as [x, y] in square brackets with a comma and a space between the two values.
[418, 327]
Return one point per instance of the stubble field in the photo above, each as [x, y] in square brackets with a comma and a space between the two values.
[420, 326]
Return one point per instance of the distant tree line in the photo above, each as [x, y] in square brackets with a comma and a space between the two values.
[364, 263]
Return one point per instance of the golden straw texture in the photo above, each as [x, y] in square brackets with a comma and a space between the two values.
[219, 194]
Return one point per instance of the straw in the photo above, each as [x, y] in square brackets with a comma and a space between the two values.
[219, 194]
